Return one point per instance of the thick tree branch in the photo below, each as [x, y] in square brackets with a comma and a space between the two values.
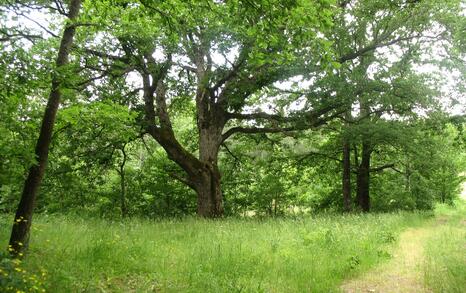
[259, 115]
[304, 121]
[383, 167]
[158, 74]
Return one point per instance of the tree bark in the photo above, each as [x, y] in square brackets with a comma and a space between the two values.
[363, 178]
[19, 239]
[209, 193]
[208, 183]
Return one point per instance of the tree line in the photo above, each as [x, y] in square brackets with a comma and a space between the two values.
[168, 108]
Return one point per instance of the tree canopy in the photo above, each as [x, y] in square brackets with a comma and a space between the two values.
[169, 108]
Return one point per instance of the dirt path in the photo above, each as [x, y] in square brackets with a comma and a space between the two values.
[402, 273]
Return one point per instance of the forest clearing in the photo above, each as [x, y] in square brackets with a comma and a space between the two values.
[232, 146]
[398, 252]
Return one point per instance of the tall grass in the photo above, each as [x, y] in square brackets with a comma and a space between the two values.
[445, 264]
[194, 255]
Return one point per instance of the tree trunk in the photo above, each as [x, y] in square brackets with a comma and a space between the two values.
[208, 183]
[121, 171]
[124, 208]
[21, 227]
[203, 175]
[363, 178]
[408, 177]
[209, 194]
[346, 176]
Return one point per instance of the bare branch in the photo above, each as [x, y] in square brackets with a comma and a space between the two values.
[60, 7]
[5, 36]
[234, 70]
[38, 24]
[230, 152]
[259, 115]
[375, 44]
[102, 54]
[310, 154]
[240, 129]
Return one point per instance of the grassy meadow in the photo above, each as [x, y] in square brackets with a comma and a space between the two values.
[312, 254]
[445, 264]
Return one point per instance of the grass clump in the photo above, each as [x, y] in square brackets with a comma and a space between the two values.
[445, 264]
[195, 255]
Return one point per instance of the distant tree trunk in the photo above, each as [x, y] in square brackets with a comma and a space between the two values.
[21, 227]
[121, 172]
[363, 178]
[168, 205]
[444, 189]
[346, 176]
[124, 208]
[407, 177]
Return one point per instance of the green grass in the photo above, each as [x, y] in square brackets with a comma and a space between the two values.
[445, 264]
[194, 255]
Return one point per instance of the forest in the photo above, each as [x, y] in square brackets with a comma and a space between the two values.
[232, 145]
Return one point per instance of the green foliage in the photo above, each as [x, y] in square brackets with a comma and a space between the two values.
[15, 278]
[18, 120]
[389, 104]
